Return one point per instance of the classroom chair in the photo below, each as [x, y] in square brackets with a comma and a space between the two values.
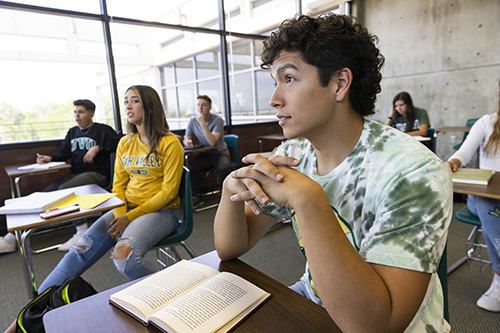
[166, 252]
[232, 142]
[469, 123]
[443, 277]
[112, 157]
[431, 133]
[473, 247]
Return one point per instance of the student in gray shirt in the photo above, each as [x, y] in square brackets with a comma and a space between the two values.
[208, 128]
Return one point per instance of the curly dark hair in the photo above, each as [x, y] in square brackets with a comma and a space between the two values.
[331, 42]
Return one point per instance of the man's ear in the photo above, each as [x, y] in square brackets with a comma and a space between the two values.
[344, 80]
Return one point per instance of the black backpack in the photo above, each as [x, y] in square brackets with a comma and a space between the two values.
[30, 319]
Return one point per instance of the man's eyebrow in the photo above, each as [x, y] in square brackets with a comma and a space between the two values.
[285, 67]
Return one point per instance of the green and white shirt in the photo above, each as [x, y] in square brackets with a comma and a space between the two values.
[421, 118]
[393, 198]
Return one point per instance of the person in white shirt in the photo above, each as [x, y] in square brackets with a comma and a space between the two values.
[485, 136]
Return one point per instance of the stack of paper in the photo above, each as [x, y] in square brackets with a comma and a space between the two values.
[37, 166]
[36, 202]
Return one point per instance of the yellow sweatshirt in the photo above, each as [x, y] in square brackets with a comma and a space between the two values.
[147, 186]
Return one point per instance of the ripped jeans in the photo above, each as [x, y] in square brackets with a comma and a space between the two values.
[140, 235]
[488, 211]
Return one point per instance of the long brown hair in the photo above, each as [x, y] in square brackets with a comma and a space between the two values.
[494, 141]
[410, 109]
[154, 121]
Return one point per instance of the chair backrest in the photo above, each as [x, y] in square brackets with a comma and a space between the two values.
[469, 123]
[232, 142]
[185, 227]
[112, 157]
[431, 134]
[443, 277]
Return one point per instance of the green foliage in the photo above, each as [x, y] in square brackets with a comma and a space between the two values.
[44, 122]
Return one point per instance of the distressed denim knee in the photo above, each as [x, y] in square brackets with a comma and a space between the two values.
[82, 245]
[120, 255]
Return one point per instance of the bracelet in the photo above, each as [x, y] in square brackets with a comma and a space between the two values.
[389, 117]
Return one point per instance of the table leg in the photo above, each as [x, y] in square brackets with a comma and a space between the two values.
[12, 190]
[27, 263]
[17, 186]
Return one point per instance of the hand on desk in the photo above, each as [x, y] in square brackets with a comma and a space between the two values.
[41, 159]
[118, 225]
[187, 142]
[266, 179]
[453, 164]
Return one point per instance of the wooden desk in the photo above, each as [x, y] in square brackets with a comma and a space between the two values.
[189, 152]
[285, 311]
[24, 225]
[273, 137]
[492, 190]
[453, 129]
[15, 175]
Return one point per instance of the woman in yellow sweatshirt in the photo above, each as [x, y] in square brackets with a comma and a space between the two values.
[147, 177]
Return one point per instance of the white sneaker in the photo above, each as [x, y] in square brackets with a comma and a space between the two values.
[69, 243]
[491, 299]
[8, 243]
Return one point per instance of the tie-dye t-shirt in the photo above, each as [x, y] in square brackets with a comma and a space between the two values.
[393, 198]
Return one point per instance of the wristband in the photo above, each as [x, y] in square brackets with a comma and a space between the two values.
[389, 117]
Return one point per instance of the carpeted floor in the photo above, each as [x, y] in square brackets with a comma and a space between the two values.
[276, 255]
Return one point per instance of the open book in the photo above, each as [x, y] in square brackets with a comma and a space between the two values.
[190, 297]
[472, 176]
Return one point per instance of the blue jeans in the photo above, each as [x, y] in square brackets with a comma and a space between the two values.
[488, 211]
[73, 180]
[140, 235]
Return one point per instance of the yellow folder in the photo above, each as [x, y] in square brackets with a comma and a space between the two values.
[86, 201]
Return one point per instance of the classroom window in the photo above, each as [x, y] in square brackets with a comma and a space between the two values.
[174, 46]
[45, 66]
[194, 13]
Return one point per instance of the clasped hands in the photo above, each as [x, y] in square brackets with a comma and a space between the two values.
[268, 180]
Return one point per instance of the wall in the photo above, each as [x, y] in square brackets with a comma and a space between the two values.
[445, 53]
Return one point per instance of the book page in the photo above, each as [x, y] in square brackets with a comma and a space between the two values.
[211, 305]
[149, 295]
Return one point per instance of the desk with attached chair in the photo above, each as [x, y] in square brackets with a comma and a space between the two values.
[473, 248]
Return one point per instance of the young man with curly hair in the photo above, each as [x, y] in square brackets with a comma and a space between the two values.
[371, 218]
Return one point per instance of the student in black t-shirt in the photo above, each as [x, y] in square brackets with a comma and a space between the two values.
[89, 146]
